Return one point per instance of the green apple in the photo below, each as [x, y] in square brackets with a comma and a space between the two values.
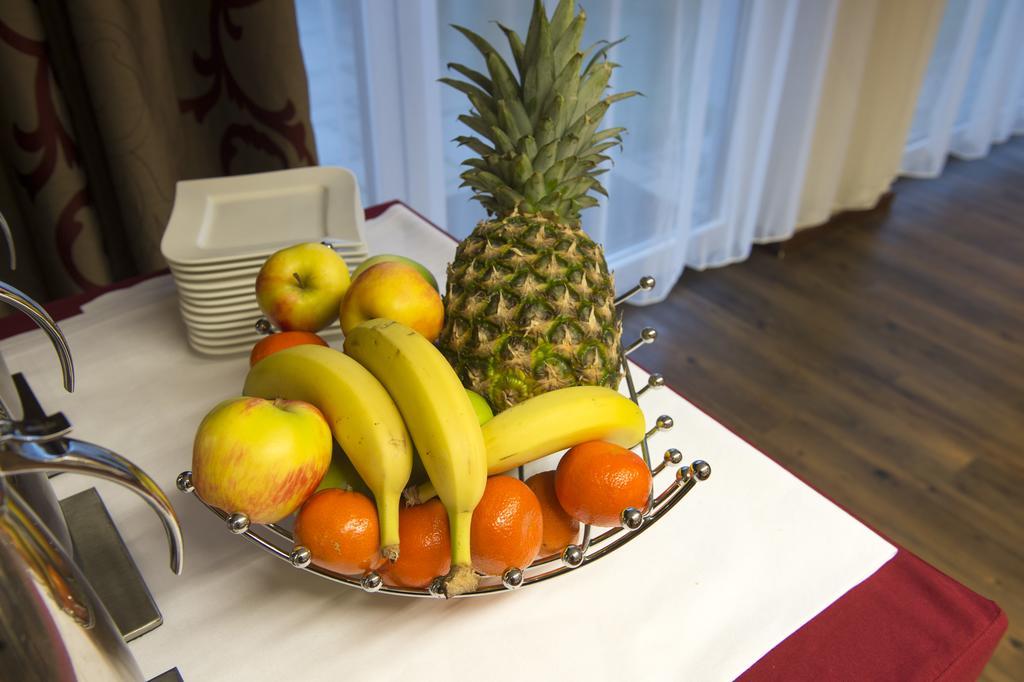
[391, 257]
[394, 291]
[300, 288]
[260, 457]
[480, 406]
[342, 474]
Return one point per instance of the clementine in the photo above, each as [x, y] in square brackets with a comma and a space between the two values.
[596, 481]
[340, 529]
[507, 528]
[560, 529]
[425, 550]
[279, 341]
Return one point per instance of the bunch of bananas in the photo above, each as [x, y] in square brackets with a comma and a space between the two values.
[392, 389]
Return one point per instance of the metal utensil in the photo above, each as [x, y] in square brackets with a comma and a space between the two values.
[52, 624]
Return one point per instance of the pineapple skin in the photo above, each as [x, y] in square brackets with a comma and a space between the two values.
[529, 308]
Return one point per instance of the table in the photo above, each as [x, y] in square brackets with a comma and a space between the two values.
[906, 621]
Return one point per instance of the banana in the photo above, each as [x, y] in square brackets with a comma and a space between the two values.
[553, 421]
[441, 421]
[363, 417]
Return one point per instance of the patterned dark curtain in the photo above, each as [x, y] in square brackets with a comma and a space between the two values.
[107, 104]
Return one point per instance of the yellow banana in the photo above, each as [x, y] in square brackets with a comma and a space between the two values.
[557, 420]
[441, 421]
[363, 417]
[553, 421]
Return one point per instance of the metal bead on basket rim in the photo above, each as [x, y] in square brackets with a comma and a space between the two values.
[184, 482]
[512, 578]
[263, 326]
[238, 523]
[371, 582]
[572, 556]
[683, 475]
[436, 587]
[673, 456]
[653, 381]
[701, 469]
[665, 422]
[632, 518]
[300, 556]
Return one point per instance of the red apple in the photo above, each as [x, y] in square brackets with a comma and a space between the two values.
[394, 291]
[395, 258]
[300, 288]
[260, 457]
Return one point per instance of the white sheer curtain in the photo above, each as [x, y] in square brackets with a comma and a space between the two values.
[973, 92]
[721, 150]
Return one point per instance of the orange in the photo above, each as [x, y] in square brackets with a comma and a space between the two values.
[340, 529]
[507, 526]
[279, 341]
[560, 529]
[424, 549]
[596, 481]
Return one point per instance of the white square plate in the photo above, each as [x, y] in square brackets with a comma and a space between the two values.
[219, 299]
[252, 270]
[222, 335]
[242, 319]
[349, 253]
[218, 220]
[210, 310]
[243, 345]
[205, 295]
[235, 288]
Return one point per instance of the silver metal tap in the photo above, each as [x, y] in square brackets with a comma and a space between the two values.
[52, 625]
[22, 302]
[44, 446]
[34, 487]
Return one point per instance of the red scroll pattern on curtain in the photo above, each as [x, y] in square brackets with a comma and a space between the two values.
[51, 139]
[282, 121]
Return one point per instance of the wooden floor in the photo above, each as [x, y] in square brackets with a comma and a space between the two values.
[884, 364]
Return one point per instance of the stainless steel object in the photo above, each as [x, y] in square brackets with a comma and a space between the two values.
[101, 554]
[371, 582]
[279, 542]
[301, 557]
[632, 518]
[80, 457]
[23, 303]
[43, 446]
[572, 556]
[34, 488]
[512, 578]
[52, 625]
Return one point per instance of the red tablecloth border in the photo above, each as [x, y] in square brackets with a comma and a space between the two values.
[908, 621]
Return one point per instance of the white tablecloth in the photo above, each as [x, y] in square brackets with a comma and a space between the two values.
[746, 559]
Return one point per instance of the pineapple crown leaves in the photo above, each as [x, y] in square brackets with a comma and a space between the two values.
[536, 138]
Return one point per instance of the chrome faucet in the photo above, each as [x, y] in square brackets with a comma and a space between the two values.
[20, 301]
[52, 625]
[18, 454]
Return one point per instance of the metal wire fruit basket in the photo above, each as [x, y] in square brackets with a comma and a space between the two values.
[277, 539]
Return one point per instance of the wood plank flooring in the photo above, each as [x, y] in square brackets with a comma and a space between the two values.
[883, 362]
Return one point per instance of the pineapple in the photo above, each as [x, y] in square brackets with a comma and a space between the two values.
[529, 305]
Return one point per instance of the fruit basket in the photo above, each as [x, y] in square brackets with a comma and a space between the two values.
[277, 539]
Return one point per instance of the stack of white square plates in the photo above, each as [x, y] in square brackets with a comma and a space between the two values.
[221, 231]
